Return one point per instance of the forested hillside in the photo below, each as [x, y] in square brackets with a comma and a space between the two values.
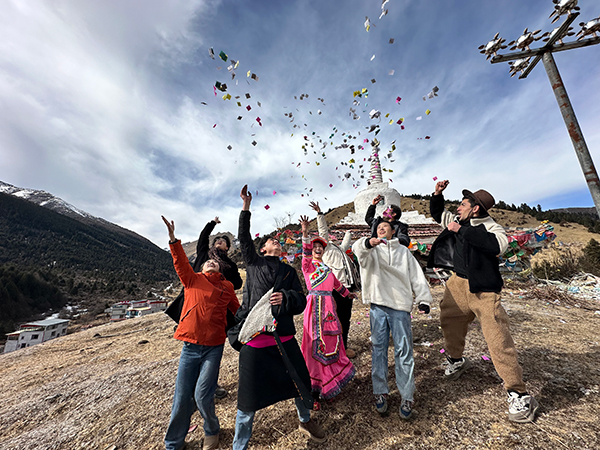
[47, 258]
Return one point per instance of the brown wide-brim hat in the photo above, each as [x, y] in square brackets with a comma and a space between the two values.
[482, 198]
[320, 240]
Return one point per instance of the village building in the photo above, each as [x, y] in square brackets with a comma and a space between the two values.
[137, 308]
[33, 333]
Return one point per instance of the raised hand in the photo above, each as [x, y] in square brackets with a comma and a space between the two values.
[377, 199]
[440, 186]
[375, 242]
[217, 220]
[170, 227]
[304, 222]
[246, 197]
[315, 206]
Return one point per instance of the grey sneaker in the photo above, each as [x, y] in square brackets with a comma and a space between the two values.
[381, 404]
[314, 430]
[406, 410]
[454, 370]
[521, 407]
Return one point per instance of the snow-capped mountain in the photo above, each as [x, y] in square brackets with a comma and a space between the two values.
[57, 204]
[46, 200]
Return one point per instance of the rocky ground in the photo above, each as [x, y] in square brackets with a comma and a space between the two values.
[111, 387]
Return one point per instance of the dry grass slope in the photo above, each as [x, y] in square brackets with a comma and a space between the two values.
[113, 391]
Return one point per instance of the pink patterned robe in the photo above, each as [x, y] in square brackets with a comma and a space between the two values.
[322, 344]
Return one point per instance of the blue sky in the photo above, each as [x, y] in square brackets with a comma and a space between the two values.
[102, 105]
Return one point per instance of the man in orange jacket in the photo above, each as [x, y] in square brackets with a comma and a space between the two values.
[208, 296]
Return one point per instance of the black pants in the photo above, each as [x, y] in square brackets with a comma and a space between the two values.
[344, 312]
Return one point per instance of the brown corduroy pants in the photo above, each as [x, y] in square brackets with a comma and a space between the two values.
[458, 309]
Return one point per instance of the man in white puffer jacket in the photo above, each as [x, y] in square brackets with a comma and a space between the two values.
[390, 277]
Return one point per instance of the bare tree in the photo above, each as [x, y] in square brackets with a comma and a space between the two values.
[290, 215]
[280, 222]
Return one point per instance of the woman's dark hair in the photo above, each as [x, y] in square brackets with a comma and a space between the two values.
[225, 238]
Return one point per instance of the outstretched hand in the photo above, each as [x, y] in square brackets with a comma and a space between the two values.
[304, 222]
[440, 186]
[246, 197]
[315, 206]
[171, 228]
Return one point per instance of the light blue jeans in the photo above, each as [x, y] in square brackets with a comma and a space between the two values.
[244, 421]
[383, 321]
[195, 388]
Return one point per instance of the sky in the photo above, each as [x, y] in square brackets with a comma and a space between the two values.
[111, 106]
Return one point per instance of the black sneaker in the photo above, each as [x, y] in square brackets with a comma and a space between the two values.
[220, 393]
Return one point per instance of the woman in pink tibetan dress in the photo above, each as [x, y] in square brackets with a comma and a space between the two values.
[322, 343]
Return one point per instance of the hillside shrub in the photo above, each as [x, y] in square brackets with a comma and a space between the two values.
[567, 264]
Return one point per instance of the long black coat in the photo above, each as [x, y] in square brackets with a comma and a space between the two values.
[261, 272]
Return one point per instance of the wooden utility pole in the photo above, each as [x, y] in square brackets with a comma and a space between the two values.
[545, 54]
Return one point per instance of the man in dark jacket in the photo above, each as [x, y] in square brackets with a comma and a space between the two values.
[271, 366]
[392, 215]
[470, 246]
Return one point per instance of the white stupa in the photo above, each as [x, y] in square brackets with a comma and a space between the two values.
[375, 187]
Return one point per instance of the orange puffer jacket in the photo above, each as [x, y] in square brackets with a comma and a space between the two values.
[207, 298]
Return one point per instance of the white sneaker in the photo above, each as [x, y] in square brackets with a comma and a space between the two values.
[453, 370]
[521, 407]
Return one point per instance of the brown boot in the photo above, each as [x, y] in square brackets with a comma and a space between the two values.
[211, 442]
[314, 430]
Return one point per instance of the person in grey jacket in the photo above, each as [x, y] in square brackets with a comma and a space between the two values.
[335, 257]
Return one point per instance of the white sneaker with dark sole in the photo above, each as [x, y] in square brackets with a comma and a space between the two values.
[521, 407]
[453, 370]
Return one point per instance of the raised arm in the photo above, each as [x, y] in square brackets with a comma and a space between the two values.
[246, 245]
[180, 260]
[322, 227]
[203, 244]
[307, 266]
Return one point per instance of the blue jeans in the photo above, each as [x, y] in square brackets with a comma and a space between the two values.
[383, 321]
[195, 388]
[244, 421]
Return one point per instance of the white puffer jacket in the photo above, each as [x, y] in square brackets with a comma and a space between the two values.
[391, 275]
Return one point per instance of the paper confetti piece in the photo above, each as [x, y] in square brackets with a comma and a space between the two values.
[330, 185]
[267, 206]
[254, 143]
[223, 56]
[442, 351]
[428, 112]
[254, 77]
[398, 99]
[419, 118]
[227, 97]
[211, 53]
[229, 147]
[248, 108]
[214, 125]
[275, 192]
[391, 72]
[372, 57]
[434, 178]
[257, 235]
[391, 40]
[485, 358]
[193, 427]
[248, 73]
